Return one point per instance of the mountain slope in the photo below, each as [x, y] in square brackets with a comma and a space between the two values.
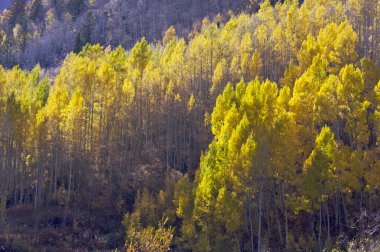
[254, 133]
[51, 29]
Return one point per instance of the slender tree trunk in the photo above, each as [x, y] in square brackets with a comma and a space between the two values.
[3, 204]
[276, 212]
[250, 221]
[259, 218]
[328, 221]
[361, 212]
[36, 188]
[22, 175]
[69, 188]
[320, 228]
[55, 171]
[344, 211]
[336, 208]
[70, 181]
[286, 213]
[311, 221]
[237, 242]
[267, 215]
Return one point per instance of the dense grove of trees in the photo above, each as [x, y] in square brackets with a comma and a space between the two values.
[258, 133]
[44, 31]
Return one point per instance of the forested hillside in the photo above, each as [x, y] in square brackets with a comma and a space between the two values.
[45, 31]
[256, 133]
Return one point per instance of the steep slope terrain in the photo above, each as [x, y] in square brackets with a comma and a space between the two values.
[45, 31]
[258, 132]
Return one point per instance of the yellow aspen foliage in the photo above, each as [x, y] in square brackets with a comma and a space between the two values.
[319, 168]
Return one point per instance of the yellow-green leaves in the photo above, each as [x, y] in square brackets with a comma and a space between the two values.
[351, 85]
[337, 44]
[306, 89]
[140, 55]
[326, 102]
[170, 35]
[57, 102]
[319, 168]
[352, 106]
[250, 124]
[228, 210]
[223, 103]
[308, 51]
